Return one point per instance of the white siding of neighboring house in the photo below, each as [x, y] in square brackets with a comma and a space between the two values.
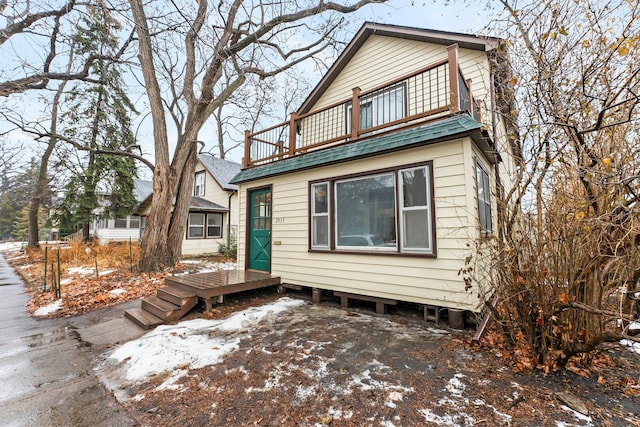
[213, 193]
[423, 280]
[114, 234]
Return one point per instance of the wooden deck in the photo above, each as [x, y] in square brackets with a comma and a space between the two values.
[214, 285]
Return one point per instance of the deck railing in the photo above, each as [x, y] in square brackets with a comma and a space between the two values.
[436, 90]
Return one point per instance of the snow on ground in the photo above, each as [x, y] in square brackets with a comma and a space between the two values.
[48, 309]
[11, 246]
[632, 345]
[189, 344]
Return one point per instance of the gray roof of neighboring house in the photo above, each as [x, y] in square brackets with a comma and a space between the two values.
[142, 189]
[443, 130]
[200, 204]
[222, 170]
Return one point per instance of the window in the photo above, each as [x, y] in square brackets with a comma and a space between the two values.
[120, 223]
[198, 185]
[320, 215]
[134, 221]
[214, 225]
[199, 223]
[415, 201]
[389, 211]
[365, 213]
[484, 199]
[195, 228]
[380, 107]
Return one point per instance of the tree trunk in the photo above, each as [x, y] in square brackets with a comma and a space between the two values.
[181, 209]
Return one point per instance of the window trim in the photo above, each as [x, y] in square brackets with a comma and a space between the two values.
[205, 225]
[196, 186]
[398, 250]
[207, 235]
[314, 214]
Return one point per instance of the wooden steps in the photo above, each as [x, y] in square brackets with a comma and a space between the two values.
[168, 305]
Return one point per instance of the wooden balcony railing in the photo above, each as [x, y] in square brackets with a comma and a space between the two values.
[436, 90]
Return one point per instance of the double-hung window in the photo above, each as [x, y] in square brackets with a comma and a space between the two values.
[214, 225]
[385, 212]
[198, 185]
[201, 225]
[484, 199]
[320, 215]
[415, 209]
[195, 227]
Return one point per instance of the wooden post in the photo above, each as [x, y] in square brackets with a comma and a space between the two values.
[454, 90]
[247, 150]
[44, 282]
[292, 134]
[355, 113]
[58, 291]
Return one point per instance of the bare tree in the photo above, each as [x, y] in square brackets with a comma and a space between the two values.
[568, 270]
[223, 45]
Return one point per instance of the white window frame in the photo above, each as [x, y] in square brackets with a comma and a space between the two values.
[316, 215]
[483, 188]
[199, 184]
[126, 223]
[219, 226]
[191, 227]
[402, 209]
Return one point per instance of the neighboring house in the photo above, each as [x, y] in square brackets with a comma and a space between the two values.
[119, 229]
[386, 173]
[213, 213]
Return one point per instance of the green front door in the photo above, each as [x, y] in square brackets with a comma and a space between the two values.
[260, 229]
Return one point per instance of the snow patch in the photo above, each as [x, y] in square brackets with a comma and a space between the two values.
[190, 344]
[458, 420]
[118, 291]
[49, 308]
[581, 417]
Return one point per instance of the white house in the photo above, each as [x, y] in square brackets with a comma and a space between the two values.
[376, 186]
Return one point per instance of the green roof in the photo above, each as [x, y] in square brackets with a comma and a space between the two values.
[456, 126]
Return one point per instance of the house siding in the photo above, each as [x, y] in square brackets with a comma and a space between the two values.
[415, 279]
[382, 59]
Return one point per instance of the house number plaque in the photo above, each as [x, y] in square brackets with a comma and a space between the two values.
[278, 220]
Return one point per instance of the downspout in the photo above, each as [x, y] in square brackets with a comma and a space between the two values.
[229, 221]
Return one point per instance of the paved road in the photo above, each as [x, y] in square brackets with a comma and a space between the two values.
[46, 376]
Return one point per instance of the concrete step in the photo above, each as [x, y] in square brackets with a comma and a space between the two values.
[142, 318]
[166, 310]
[175, 295]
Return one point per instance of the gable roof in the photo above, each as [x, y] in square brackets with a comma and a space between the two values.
[142, 189]
[222, 170]
[453, 127]
[466, 41]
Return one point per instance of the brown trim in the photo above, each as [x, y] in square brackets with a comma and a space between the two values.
[248, 227]
[332, 212]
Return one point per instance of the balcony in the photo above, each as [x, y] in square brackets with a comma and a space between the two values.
[435, 91]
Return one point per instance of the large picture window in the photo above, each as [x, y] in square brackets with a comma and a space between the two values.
[365, 213]
[484, 199]
[389, 212]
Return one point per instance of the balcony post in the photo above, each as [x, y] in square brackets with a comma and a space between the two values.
[454, 89]
[247, 150]
[355, 113]
[292, 134]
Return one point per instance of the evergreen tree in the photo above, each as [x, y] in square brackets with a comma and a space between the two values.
[98, 115]
[14, 198]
